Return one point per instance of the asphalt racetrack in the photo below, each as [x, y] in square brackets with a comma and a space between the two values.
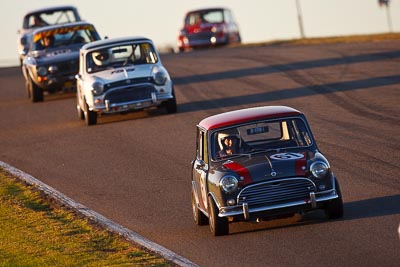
[135, 169]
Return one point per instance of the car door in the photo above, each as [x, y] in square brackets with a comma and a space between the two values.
[200, 168]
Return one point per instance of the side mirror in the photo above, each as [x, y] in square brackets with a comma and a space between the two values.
[24, 41]
[200, 165]
[24, 52]
[78, 77]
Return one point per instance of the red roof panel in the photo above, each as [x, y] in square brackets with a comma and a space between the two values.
[243, 115]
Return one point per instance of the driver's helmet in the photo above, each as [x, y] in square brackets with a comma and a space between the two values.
[101, 57]
[229, 133]
[47, 41]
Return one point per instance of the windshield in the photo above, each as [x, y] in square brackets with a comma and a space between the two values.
[121, 55]
[209, 16]
[64, 36]
[260, 136]
[50, 18]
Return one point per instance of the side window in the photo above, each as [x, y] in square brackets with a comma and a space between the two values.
[228, 18]
[202, 146]
[205, 147]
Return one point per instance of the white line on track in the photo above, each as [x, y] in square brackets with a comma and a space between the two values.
[98, 218]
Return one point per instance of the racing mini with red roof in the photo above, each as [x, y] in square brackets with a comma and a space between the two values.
[259, 163]
[208, 27]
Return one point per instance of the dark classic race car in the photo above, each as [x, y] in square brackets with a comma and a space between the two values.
[207, 28]
[41, 18]
[53, 58]
[259, 163]
[121, 75]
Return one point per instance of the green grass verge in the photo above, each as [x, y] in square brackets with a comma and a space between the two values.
[34, 232]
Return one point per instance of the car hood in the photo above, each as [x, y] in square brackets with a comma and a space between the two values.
[270, 166]
[55, 55]
[123, 73]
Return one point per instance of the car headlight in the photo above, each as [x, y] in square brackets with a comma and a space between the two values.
[160, 76]
[53, 69]
[229, 183]
[319, 169]
[42, 71]
[98, 88]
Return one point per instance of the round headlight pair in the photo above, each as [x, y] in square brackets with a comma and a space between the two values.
[98, 88]
[319, 169]
[42, 71]
[160, 76]
[229, 183]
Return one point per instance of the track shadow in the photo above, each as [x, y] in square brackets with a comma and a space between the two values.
[367, 208]
[132, 115]
[374, 207]
[290, 93]
[285, 67]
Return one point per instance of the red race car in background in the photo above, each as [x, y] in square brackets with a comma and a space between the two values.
[207, 28]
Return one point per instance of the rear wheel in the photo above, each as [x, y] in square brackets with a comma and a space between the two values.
[198, 216]
[218, 226]
[334, 208]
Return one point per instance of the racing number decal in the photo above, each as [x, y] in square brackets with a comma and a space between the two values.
[287, 156]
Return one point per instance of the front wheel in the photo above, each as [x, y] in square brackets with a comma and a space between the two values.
[334, 208]
[90, 116]
[34, 92]
[198, 216]
[218, 226]
[171, 104]
[81, 113]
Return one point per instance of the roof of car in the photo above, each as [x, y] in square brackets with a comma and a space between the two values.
[207, 9]
[112, 41]
[244, 115]
[47, 9]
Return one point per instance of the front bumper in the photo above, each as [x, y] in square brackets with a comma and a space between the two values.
[131, 98]
[201, 40]
[307, 201]
[58, 83]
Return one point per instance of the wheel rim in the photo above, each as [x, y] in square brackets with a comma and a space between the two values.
[211, 218]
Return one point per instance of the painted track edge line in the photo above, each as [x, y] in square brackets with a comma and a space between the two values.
[98, 218]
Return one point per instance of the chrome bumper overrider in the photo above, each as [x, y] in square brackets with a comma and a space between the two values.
[246, 211]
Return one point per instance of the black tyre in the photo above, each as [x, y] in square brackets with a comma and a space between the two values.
[334, 208]
[171, 104]
[218, 226]
[34, 92]
[90, 116]
[81, 114]
[198, 216]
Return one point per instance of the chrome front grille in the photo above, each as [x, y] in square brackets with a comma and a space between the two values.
[129, 94]
[276, 192]
[202, 36]
[70, 67]
[124, 83]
